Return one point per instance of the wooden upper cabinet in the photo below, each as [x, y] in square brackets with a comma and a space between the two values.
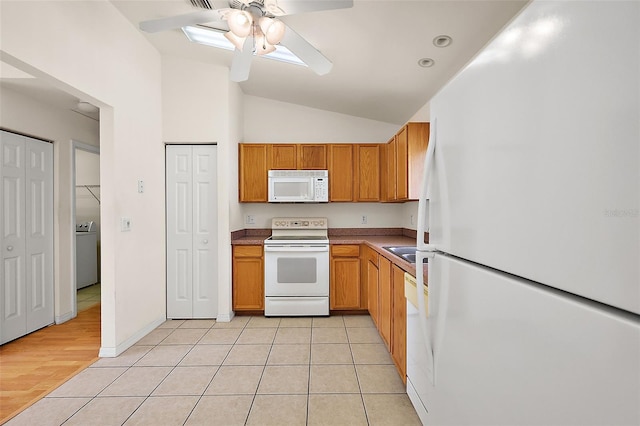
[282, 156]
[340, 172]
[297, 156]
[417, 141]
[400, 142]
[312, 157]
[388, 171]
[252, 172]
[404, 162]
[367, 167]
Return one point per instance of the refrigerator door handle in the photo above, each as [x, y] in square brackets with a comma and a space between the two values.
[424, 189]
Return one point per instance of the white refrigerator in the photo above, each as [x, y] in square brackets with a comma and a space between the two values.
[531, 200]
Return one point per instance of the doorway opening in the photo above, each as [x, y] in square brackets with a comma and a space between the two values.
[86, 215]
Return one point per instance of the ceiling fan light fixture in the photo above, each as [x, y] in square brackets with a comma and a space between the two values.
[272, 29]
[262, 46]
[240, 23]
[238, 42]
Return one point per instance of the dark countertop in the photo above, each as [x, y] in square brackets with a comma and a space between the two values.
[349, 236]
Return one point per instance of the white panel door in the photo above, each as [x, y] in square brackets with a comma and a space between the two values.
[191, 231]
[39, 234]
[26, 223]
[13, 310]
[205, 233]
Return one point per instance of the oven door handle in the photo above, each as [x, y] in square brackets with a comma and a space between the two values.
[298, 248]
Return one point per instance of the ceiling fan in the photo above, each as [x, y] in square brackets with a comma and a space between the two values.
[254, 28]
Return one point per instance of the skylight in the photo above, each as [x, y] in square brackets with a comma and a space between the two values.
[216, 38]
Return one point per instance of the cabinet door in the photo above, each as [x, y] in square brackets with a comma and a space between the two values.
[282, 157]
[399, 323]
[312, 157]
[417, 141]
[367, 172]
[400, 142]
[384, 300]
[388, 171]
[371, 258]
[248, 278]
[341, 172]
[253, 172]
[345, 277]
[345, 283]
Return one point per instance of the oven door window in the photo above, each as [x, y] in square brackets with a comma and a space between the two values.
[292, 270]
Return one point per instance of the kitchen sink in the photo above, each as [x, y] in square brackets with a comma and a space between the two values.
[408, 253]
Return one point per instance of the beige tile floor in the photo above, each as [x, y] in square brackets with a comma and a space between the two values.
[252, 371]
[87, 297]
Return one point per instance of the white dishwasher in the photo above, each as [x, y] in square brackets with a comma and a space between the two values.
[417, 355]
[86, 254]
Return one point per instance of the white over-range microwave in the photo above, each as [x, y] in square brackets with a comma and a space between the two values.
[298, 186]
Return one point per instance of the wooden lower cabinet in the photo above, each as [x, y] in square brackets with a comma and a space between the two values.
[248, 278]
[384, 300]
[345, 289]
[371, 268]
[399, 323]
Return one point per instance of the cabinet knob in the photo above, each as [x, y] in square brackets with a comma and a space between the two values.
[205, 241]
[9, 248]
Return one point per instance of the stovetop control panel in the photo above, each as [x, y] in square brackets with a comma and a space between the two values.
[299, 223]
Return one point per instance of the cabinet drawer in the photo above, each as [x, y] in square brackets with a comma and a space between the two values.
[345, 250]
[247, 251]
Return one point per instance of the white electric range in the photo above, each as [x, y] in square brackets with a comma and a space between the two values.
[296, 267]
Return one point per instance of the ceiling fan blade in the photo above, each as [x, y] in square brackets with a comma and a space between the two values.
[179, 21]
[292, 7]
[241, 64]
[306, 52]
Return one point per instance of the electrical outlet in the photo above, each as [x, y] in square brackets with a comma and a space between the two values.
[125, 224]
[140, 186]
[250, 220]
[412, 220]
[363, 219]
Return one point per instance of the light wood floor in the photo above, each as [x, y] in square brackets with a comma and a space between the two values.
[34, 365]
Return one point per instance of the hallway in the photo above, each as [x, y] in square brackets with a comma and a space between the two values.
[34, 365]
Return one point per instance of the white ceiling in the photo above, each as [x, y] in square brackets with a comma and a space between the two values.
[374, 46]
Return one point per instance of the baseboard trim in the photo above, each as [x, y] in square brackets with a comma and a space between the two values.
[112, 352]
[225, 317]
[59, 319]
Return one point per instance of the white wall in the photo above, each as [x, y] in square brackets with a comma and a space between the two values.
[201, 105]
[31, 116]
[340, 215]
[266, 120]
[91, 51]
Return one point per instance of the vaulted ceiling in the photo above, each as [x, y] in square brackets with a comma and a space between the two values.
[375, 47]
